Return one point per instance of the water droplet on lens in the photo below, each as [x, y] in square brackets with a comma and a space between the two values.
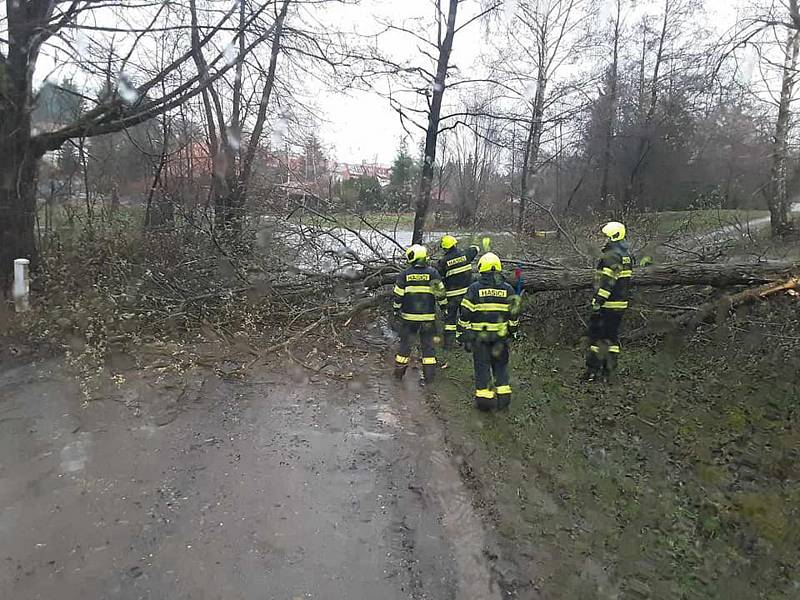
[230, 53]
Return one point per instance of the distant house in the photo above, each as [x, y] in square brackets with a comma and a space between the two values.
[346, 171]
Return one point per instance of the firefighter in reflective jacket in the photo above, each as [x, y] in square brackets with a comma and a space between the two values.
[489, 318]
[416, 292]
[612, 282]
[456, 270]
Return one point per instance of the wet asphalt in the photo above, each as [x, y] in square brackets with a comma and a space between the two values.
[274, 486]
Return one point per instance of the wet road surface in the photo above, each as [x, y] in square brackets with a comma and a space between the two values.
[271, 487]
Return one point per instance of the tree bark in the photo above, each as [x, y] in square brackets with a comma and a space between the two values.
[778, 197]
[534, 141]
[643, 147]
[611, 114]
[538, 279]
[19, 156]
[432, 134]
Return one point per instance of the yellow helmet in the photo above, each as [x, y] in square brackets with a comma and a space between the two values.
[416, 253]
[489, 262]
[448, 241]
[614, 231]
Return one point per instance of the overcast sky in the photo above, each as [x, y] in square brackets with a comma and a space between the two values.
[362, 126]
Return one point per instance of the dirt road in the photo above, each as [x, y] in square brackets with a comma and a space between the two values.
[271, 487]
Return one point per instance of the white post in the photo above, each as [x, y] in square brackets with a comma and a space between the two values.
[21, 289]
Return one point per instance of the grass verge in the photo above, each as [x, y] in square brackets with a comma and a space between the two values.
[679, 481]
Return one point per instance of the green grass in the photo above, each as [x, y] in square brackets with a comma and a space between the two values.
[698, 221]
[682, 479]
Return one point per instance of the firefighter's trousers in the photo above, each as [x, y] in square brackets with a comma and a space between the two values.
[604, 348]
[451, 320]
[490, 359]
[409, 331]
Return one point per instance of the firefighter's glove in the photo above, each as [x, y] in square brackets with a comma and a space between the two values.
[394, 322]
[595, 306]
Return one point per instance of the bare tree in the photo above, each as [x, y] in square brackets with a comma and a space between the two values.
[546, 35]
[761, 30]
[418, 90]
[232, 154]
[779, 204]
[34, 27]
[444, 46]
[609, 108]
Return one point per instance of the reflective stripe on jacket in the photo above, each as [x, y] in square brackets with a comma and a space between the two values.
[612, 280]
[456, 270]
[489, 310]
[417, 290]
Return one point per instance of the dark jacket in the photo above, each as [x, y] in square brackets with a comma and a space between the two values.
[612, 280]
[456, 270]
[416, 293]
[489, 310]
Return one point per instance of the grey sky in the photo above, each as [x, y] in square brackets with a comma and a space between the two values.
[362, 126]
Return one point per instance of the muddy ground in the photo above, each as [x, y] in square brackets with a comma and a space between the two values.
[269, 486]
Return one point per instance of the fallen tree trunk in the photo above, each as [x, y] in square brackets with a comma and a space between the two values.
[716, 275]
[548, 277]
[721, 307]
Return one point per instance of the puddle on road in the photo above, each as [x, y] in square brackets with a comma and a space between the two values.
[75, 455]
[462, 525]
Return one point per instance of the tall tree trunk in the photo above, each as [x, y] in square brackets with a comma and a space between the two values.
[611, 114]
[778, 197]
[533, 145]
[643, 147]
[432, 134]
[18, 155]
[18, 170]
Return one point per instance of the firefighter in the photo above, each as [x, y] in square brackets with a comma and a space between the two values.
[610, 301]
[456, 270]
[416, 292]
[489, 319]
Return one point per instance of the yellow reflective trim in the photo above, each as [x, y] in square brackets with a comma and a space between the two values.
[614, 349]
[464, 324]
[458, 270]
[458, 292]
[503, 389]
[603, 293]
[488, 306]
[422, 317]
[595, 349]
[501, 328]
[399, 291]
[467, 304]
[418, 289]
[616, 305]
[402, 360]
[428, 360]
[625, 274]
[608, 272]
[484, 394]
[397, 305]
[450, 328]
[513, 323]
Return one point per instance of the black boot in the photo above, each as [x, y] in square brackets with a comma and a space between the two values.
[503, 401]
[429, 373]
[590, 374]
[399, 372]
[449, 340]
